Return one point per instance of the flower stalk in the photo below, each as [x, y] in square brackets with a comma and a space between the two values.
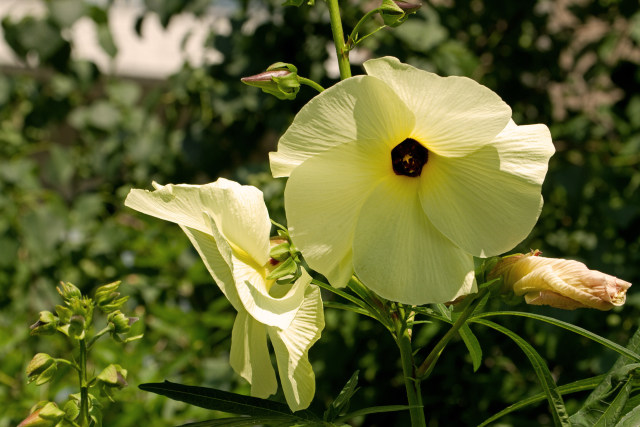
[342, 50]
[83, 419]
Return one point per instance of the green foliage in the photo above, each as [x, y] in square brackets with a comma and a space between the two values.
[73, 140]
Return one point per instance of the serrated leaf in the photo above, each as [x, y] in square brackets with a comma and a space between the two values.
[210, 398]
[341, 403]
[556, 403]
[470, 340]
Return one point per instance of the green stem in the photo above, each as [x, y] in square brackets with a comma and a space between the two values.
[428, 364]
[338, 39]
[411, 381]
[353, 38]
[84, 387]
[310, 83]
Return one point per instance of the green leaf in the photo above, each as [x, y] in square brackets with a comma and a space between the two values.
[632, 419]
[347, 307]
[210, 398]
[341, 403]
[556, 403]
[574, 387]
[374, 410]
[631, 353]
[239, 421]
[605, 405]
[470, 340]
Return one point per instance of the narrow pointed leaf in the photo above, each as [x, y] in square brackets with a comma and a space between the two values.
[574, 387]
[630, 353]
[347, 307]
[556, 403]
[341, 403]
[210, 398]
[470, 340]
[240, 421]
[374, 410]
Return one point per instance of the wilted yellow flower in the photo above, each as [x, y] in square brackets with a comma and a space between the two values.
[560, 283]
[403, 176]
[229, 225]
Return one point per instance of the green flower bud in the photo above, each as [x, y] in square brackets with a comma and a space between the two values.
[107, 297]
[47, 415]
[77, 325]
[280, 80]
[112, 377]
[280, 249]
[64, 314]
[395, 13]
[68, 291]
[46, 324]
[41, 369]
[119, 323]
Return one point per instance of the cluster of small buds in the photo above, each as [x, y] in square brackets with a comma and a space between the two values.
[75, 320]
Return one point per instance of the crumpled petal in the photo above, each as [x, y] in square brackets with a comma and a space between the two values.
[249, 355]
[454, 115]
[292, 346]
[488, 201]
[238, 210]
[398, 254]
[323, 199]
[260, 303]
[361, 108]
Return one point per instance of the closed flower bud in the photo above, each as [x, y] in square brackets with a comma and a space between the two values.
[111, 378]
[77, 325]
[280, 80]
[395, 13]
[108, 299]
[68, 291]
[46, 324]
[47, 415]
[119, 323]
[560, 283]
[41, 369]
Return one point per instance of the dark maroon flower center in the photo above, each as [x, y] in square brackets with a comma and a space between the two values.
[408, 158]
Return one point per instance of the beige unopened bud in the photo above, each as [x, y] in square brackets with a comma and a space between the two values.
[560, 283]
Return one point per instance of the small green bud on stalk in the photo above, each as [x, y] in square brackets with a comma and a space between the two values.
[395, 13]
[46, 416]
[68, 291]
[280, 80]
[107, 297]
[119, 323]
[559, 283]
[46, 324]
[41, 369]
[112, 377]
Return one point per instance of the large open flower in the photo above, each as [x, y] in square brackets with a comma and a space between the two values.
[229, 226]
[403, 176]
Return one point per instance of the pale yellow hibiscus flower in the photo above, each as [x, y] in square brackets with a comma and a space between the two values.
[229, 226]
[403, 176]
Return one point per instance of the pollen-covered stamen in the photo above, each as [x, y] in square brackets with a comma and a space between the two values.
[408, 158]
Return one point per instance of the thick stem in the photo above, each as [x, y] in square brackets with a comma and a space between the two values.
[338, 39]
[83, 419]
[427, 365]
[411, 382]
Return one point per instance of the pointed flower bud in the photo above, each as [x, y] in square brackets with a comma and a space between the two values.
[560, 283]
[46, 416]
[41, 369]
[280, 80]
[68, 291]
[46, 324]
[108, 299]
[112, 377]
[395, 13]
[119, 323]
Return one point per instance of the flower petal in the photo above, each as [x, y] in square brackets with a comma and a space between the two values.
[238, 210]
[361, 108]
[292, 346]
[398, 253]
[217, 257]
[488, 202]
[454, 115]
[249, 355]
[273, 311]
[323, 198]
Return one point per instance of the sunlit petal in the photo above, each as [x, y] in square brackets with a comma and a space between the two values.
[292, 346]
[454, 115]
[323, 199]
[400, 255]
[358, 109]
[249, 355]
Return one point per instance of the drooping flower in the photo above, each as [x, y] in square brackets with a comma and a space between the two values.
[229, 226]
[559, 283]
[403, 176]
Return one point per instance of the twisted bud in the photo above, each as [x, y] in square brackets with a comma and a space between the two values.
[280, 80]
[559, 283]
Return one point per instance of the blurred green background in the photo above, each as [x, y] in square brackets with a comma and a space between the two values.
[75, 137]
